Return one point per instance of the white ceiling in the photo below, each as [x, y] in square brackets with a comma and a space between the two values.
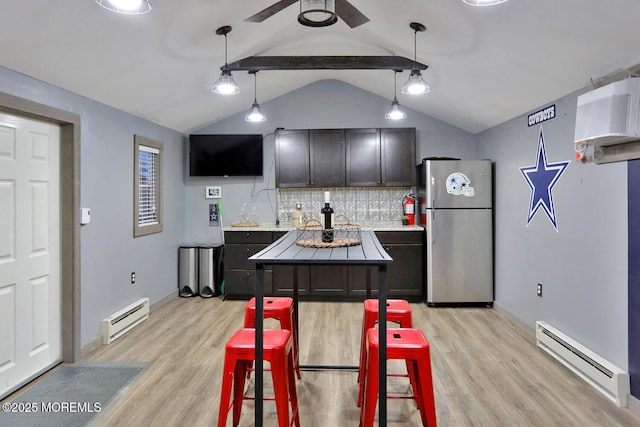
[486, 64]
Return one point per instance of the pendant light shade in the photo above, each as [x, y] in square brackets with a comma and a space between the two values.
[395, 112]
[254, 114]
[416, 84]
[317, 13]
[483, 2]
[129, 7]
[225, 85]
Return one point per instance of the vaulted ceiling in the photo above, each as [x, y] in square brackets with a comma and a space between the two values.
[486, 64]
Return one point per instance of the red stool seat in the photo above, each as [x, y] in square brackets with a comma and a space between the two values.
[239, 354]
[402, 344]
[280, 308]
[398, 311]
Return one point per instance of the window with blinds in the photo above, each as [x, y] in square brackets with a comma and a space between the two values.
[148, 188]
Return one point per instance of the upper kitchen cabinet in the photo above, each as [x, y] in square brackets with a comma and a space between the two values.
[381, 157]
[363, 157]
[292, 158]
[327, 160]
[398, 156]
[310, 158]
[351, 157]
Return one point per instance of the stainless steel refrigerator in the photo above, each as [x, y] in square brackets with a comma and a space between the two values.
[455, 198]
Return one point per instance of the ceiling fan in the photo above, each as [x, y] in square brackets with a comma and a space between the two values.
[343, 9]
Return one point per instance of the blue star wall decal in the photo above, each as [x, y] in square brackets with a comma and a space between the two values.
[541, 177]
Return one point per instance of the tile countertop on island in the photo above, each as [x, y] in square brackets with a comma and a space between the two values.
[366, 225]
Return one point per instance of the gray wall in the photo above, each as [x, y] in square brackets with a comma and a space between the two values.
[109, 253]
[321, 105]
[583, 266]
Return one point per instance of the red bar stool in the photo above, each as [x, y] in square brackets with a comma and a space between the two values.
[398, 311]
[240, 354]
[412, 346]
[280, 308]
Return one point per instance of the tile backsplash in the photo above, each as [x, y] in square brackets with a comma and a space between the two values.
[357, 203]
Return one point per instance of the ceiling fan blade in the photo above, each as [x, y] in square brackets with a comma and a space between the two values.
[349, 14]
[270, 11]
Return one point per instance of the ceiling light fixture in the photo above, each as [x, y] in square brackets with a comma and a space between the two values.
[415, 85]
[255, 115]
[317, 13]
[225, 85]
[129, 7]
[483, 2]
[395, 112]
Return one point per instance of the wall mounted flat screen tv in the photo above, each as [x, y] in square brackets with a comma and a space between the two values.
[225, 155]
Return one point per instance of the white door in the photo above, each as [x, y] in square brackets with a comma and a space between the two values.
[30, 335]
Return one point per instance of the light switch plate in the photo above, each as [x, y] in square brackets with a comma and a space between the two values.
[85, 216]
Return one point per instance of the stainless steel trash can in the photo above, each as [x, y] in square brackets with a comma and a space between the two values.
[209, 270]
[188, 271]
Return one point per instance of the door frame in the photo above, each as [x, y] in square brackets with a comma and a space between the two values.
[69, 206]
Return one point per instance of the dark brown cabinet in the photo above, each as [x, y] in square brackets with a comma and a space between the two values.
[310, 158]
[292, 158]
[405, 276]
[345, 157]
[326, 157]
[239, 272]
[363, 157]
[283, 279]
[398, 156]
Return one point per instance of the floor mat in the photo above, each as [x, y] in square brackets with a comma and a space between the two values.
[71, 396]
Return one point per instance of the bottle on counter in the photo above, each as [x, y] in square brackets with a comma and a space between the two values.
[327, 219]
[297, 216]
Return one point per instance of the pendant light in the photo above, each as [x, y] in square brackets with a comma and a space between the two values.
[395, 112]
[415, 85]
[483, 2]
[255, 115]
[317, 13]
[225, 85]
[129, 7]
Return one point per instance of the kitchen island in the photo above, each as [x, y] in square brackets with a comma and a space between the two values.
[405, 244]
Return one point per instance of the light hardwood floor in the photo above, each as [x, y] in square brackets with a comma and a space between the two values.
[487, 371]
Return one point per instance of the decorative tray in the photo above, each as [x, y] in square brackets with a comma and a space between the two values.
[313, 235]
[245, 224]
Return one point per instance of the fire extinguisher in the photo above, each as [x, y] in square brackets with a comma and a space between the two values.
[409, 208]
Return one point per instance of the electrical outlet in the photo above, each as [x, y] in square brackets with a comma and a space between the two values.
[540, 290]
[133, 277]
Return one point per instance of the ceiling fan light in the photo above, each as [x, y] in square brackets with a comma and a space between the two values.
[483, 2]
[415, 85]
[317, 13]
[255, 115]
[395, 112]
[129, 7]
[225, 85]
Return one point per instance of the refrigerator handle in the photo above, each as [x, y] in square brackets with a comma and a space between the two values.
[433, 219]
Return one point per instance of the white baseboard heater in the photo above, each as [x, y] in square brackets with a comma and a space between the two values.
[124, 320]
[607, 378]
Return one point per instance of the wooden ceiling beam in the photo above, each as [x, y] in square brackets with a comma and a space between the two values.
[257, 63]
